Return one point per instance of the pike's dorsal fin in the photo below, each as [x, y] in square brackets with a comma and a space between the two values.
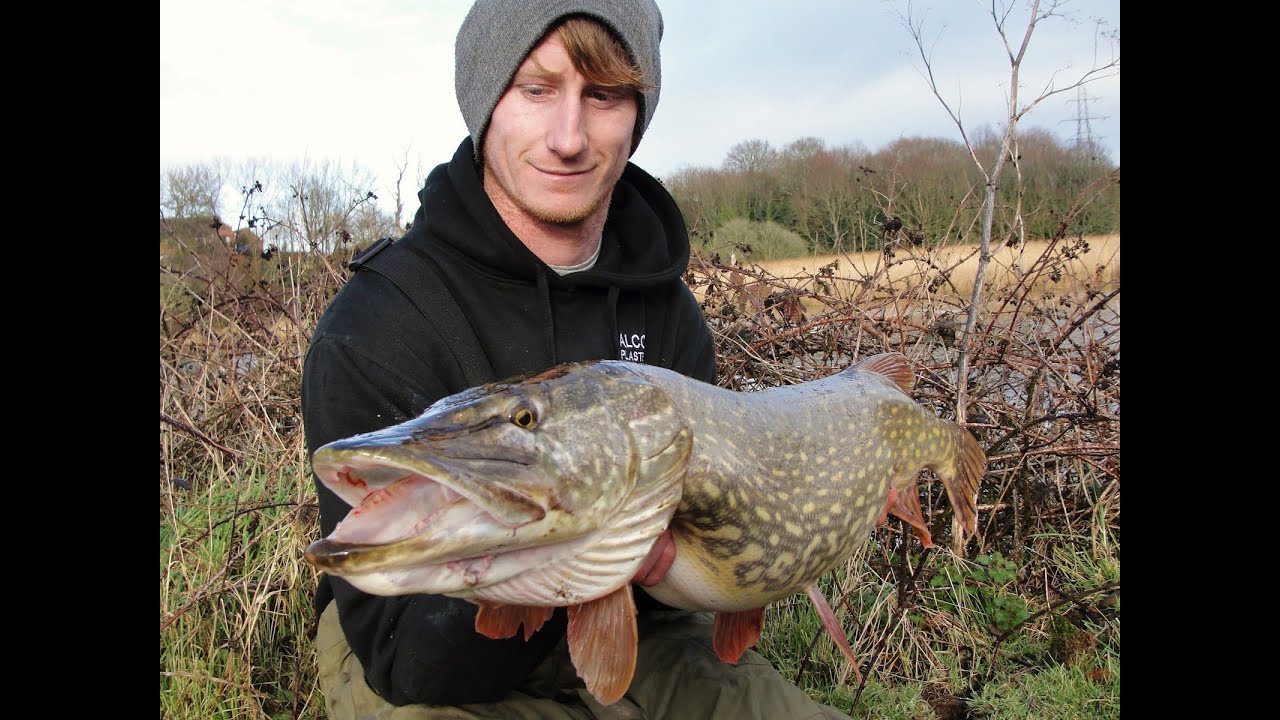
[828, 617]
[602, 643]
[734, 632]
[906, 505]
[891, 365]
[497, 621]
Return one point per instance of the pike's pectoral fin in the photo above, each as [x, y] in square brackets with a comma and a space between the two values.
[602, 643]
[497, 621]
[734, 632]
[906, 505]
[828, 618]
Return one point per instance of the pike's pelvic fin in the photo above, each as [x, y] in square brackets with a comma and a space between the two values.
[497, 621]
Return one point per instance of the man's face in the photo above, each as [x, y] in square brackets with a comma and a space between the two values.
[556, 145]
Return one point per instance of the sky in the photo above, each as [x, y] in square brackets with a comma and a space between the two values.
[370, 83]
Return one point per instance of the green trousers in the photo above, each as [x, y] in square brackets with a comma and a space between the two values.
[678, 677]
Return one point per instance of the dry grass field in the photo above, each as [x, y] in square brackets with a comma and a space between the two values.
[1099, 263]
[948, 272]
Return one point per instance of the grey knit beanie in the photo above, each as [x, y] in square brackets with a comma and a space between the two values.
[497, 35]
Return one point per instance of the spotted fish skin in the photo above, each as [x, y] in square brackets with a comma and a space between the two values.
[763, 491]
[784, 484]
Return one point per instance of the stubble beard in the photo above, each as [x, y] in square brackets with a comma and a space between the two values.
[594, 207]
[568, 216]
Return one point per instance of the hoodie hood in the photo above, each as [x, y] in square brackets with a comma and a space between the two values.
[645, 241]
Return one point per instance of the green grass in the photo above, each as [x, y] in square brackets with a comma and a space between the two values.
[1086, 689]
[973, 633]
[235, 600]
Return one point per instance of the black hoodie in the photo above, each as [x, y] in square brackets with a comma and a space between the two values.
[375, 361]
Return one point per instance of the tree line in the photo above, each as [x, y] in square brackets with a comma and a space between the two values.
[762, 202]
[921, 190]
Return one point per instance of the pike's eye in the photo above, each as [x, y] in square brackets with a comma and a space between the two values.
[524, 418]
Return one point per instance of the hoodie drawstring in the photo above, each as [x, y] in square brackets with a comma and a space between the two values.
[613, 320]
[549, 327]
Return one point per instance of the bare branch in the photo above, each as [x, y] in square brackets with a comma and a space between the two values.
[1097, 73]
[1000, 17]
[401, 167]
[916, 29]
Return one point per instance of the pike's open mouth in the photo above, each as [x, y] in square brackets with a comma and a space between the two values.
[398, 511]
[415, 513]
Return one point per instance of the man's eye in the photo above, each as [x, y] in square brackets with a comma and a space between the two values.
[604, 97]
[534, 90]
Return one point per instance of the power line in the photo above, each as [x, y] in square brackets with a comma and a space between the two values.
[1084, 129]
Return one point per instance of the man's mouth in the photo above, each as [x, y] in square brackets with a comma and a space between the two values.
[563, 173]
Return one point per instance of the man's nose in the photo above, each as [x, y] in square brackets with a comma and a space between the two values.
[567, 136]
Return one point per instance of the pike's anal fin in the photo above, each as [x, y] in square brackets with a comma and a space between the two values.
[884, 514]
[602, 644]
[906, 505]
[828, 618]
[497, 621]
[734, 632]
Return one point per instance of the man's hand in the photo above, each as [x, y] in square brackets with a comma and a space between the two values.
[658, 562]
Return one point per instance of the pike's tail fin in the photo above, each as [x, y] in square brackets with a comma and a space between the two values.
[961, 480]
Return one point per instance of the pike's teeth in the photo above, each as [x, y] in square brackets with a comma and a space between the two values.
[397, 511]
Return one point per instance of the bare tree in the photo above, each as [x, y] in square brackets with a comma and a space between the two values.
[402, 166]
[1016, 110]
[750, 156]
[327, 207]
[192, 190]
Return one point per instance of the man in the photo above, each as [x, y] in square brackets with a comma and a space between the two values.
[539, 243]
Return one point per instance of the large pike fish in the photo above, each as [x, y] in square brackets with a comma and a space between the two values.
[549, 491]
